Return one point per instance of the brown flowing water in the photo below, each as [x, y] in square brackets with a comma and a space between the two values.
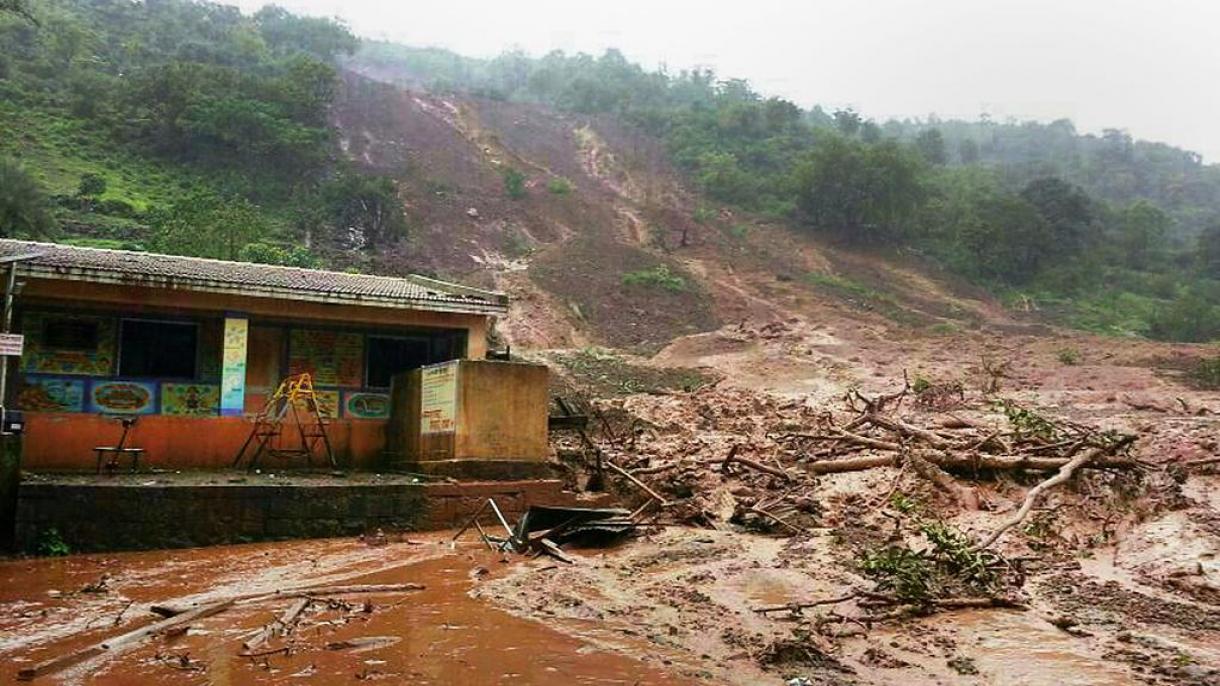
[440, 635]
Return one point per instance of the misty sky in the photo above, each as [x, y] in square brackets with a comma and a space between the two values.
[1151, 66]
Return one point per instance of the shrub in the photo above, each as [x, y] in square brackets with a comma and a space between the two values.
[514, 183]
[91, 185]
[1206, 373]
[269, 253]
[51, 544]
[659, 276]
[1069, 356]
[559, 186]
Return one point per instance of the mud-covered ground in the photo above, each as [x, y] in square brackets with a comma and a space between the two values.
[1117, 572]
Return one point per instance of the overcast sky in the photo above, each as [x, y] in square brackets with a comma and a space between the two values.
[1151, 67]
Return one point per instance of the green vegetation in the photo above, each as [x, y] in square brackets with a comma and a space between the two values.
[1026, 422]
[131, 114]
[602, 373]
[659, 276]
[24, 208]
[1069, 356]
[946, 567]
[1102, 232]
[1206, 373]
[514, 183]
[269, 253]
[861, 296]
[559, 186]
[51, 544]
[115, 116]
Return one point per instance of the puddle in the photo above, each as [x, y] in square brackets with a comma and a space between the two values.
[1020, 648]
[436, 636]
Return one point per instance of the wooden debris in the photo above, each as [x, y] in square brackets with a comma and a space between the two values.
[1065, 472]
[122, 640]
[280, 626]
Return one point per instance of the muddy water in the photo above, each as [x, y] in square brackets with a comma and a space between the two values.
[1021, 648]
[437, 636]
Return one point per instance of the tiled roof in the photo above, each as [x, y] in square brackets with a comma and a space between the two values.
[261, 280]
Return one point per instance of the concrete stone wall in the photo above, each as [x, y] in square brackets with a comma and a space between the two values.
[97, 517]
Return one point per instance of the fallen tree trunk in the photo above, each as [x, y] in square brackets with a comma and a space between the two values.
[166, 625]
[280, 625]
[733, 458]
[301, 592]
[965, 462]
[643, 486]
[1065, 472]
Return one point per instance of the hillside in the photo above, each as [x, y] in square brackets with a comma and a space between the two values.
[835, 352]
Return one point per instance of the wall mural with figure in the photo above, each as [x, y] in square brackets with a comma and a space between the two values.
[332, 358]
[68, 344]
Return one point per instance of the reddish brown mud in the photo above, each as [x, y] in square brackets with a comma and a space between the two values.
[440, 635]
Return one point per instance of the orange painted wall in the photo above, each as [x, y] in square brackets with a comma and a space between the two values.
[65, 441]
[57, 441]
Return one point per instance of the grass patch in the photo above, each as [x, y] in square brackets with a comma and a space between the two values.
[1206, 373]
[601, 373]
[659, 276]
[559, 186]
[1069, 357]
[863, 297]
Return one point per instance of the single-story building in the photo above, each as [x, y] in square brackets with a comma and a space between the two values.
[196, 346]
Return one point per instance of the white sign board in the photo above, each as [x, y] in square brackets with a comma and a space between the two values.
[12, 344]
[438, 399]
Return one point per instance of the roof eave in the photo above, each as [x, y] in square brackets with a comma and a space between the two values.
[103, 276]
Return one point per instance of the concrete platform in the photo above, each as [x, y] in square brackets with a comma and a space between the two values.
[143, 511]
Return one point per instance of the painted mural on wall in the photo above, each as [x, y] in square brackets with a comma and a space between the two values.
[328, 403]
[52, 395]
[366, 405]
[233, 369]
[123, 397]
[190, 399]
[332, 358]
[68, 344]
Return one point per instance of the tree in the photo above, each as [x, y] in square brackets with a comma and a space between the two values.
[1006, 238]
[91, 185]
[1207, 250]
[968, 151]
[270, 253]
[864, 192]
[1143, 234]
[204, 224]
[365, 209]
[514, 183]
[931, 145]
[24, 208]
[1067, 211]
[848, 121]
[19, 8]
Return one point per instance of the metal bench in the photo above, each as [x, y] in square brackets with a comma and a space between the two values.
[111, 455]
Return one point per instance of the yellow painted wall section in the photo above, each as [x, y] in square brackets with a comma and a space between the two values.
[501, 411]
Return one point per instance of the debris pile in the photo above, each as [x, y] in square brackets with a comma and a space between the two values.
[721, 455]
[178, 620]
[543, 529]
